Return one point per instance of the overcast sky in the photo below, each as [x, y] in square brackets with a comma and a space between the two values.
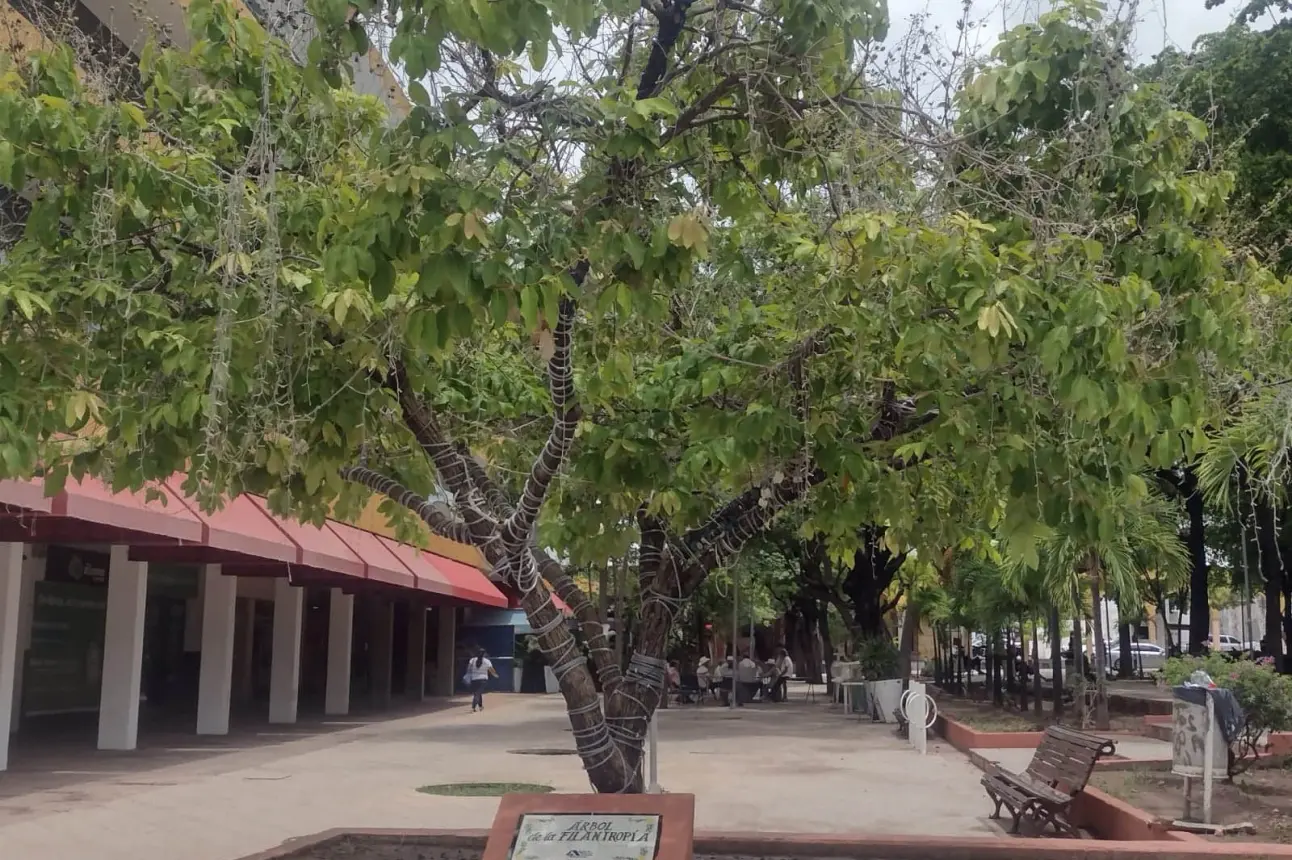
[1160, 22]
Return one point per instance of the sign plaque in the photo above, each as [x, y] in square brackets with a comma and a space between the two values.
[592, 827]
[591, 836]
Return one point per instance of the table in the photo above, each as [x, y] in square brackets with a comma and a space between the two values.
[848, 687]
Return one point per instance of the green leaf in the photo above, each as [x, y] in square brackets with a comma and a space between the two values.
[656, 107]
[529, 307]
[538, 54]
[383, 280]
[134, 114]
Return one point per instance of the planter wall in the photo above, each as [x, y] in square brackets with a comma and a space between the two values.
[964, 738]
[469, 845]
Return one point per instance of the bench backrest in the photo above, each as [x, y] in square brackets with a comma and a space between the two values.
[1066, 758]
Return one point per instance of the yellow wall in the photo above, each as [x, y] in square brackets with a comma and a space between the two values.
[374, 521]
[18, 36]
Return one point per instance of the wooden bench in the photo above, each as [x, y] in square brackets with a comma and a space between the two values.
[1058, 772]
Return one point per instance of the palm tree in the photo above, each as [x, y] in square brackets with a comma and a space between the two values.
[1132, 535]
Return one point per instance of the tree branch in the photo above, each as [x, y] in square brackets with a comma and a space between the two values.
[440, 520]
[560, 385]
[448, 463]
[700, 105]
[603, 658]
[494, 497]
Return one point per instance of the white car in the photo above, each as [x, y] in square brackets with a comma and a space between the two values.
[1144, 656]
[1227, 644]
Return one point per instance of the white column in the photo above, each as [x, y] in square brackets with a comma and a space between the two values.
[415, 674]
[10, 600]
[445, 651]
[33, 570]
[285, 668]
[215, 678]
[123, 651]
[340, 641]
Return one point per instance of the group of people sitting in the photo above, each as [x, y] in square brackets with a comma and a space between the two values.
[750, 679]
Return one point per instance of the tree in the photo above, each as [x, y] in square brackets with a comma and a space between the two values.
[1107, 562]
[711, 275]
[1232, 79]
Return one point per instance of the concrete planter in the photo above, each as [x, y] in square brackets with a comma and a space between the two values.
[884, 697]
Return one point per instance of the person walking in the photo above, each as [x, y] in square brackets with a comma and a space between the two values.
[479, 671]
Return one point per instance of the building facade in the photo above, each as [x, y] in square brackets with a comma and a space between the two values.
[123, 611]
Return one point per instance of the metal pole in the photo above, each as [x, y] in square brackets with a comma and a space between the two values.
[735, 633]
[654, 788]
[1209, 749]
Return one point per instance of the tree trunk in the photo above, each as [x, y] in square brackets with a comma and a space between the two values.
[1101, 683]
[872, 571]
[1009, 660]
[910, 625]
[827, 645]
[997, 691]
[1126, 662]
[1199, 607]
[1273, 572]
[1036, 664]
[1056, 661]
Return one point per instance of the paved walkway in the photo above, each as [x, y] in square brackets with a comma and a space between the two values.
[794, 767]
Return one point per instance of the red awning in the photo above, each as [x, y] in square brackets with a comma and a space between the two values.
[93, 501]
[127, 515]
[241, 527]
[465, 581]
[28, 495]
[242, 534]
[317, 547]
[382, 564]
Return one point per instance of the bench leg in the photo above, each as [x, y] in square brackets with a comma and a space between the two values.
[998, 801]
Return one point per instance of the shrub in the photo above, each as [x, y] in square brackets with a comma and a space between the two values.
[878, 659]
[1264, 693]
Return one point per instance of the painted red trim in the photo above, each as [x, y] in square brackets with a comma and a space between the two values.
[860, 846]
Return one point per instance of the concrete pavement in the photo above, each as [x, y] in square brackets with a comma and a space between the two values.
[796, 767]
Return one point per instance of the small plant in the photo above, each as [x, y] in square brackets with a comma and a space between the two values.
[484, 789]
[878, 659]
[1264, 693]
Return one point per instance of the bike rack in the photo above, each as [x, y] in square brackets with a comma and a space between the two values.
[931, 707]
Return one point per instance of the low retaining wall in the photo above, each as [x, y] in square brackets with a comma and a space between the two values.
[469, 844]
[1111, 818]
[964, 738]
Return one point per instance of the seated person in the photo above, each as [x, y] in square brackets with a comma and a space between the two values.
[723, 678]
[748, 680]
[672, 681]
[782, 671]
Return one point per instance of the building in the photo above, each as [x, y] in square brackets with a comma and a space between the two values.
[149, 610]
[120, 612]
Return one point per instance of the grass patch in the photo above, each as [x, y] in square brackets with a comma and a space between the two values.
[484, 789]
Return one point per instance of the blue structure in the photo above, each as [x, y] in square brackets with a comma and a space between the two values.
[494, 630]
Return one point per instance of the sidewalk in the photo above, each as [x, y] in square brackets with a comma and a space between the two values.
[798, 768]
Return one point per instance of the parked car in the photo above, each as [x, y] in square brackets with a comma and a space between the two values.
[1227, 644]
[1144, 656]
